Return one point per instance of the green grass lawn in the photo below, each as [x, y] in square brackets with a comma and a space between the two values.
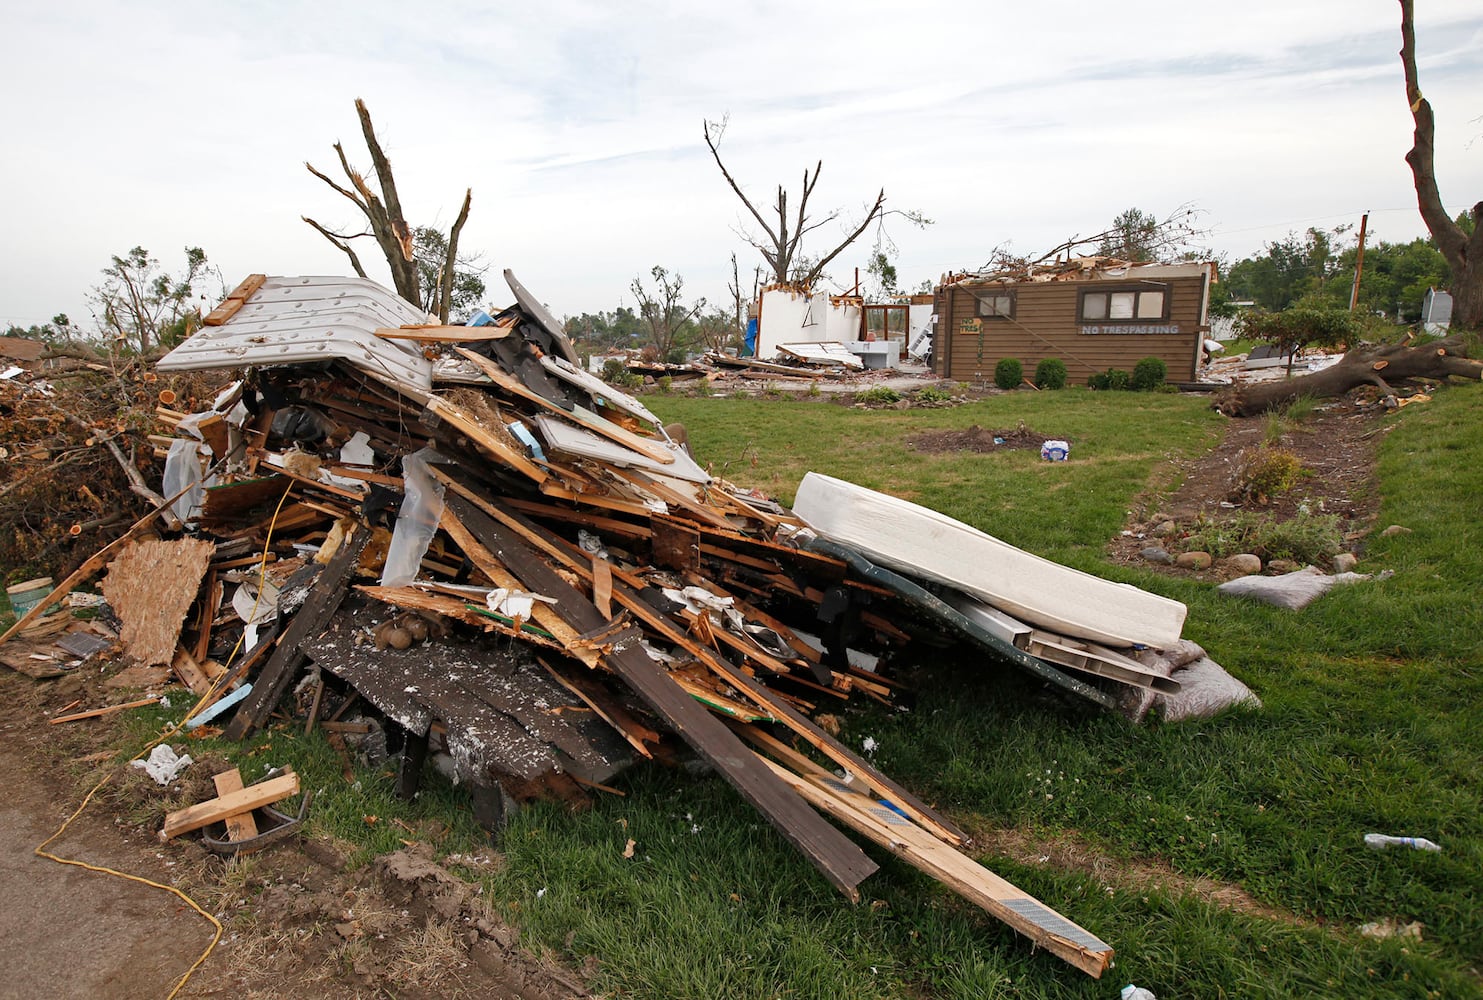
[1373, 721]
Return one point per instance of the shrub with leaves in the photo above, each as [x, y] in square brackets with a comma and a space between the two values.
[1306, 538]
[1114, 379]
[612, 370]
[879, 395]
[1300, 326]
[932, 394]
[1050, 374]
[1149, 374]
[1008, 373]
[1268, 472]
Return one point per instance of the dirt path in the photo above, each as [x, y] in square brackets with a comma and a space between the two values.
[299, 922]
[70, 932]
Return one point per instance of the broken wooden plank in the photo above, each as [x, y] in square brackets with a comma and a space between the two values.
[325, 595]
[98, 713]
[1026, 914]
[240, 826]
[190, 672]
[442, 409]
[203, 814]
[235, 300]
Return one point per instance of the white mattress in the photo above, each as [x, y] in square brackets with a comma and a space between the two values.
[921, 542]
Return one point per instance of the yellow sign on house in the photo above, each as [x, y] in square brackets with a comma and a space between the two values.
[973, 326]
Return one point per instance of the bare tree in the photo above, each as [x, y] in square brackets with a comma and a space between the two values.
[739, 302]
[665, 311]
[784, 237]
[1464, 252]
[387, 223]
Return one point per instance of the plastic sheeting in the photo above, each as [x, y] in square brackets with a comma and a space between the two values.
[417, 521]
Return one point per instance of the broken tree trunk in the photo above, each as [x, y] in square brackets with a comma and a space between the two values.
[1383, 367]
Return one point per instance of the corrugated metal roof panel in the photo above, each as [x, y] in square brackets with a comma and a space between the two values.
[296, 320]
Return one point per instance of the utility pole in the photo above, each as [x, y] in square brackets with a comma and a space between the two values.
[1359, 261]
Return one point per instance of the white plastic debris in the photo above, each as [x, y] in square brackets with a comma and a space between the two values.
[1055, 451]
[163, 765]
[1381, 841]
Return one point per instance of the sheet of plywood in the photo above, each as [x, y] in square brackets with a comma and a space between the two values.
[921, 542]
[151, 586]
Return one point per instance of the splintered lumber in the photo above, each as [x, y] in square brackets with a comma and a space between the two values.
[482, 437]
[833, 854]
[578, 415]
[152, 585]
[1015, 907]
[252, 797]
[235, 301]
[97, 713]
[240, 826]
[325, 595]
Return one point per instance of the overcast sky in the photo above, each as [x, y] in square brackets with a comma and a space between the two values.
[578, 126]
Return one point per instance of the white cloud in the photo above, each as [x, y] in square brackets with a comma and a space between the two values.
[578, 127]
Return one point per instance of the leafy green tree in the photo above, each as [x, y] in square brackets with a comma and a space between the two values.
[671, 323]
[141, 306]
[58, 332]
[1134, 236]
[430, 251]
[1290, 269]
[1300, 326]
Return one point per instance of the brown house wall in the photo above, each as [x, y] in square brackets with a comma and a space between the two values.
[1046, 325]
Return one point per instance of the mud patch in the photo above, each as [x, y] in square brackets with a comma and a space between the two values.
[1065, 853]
[977, 440]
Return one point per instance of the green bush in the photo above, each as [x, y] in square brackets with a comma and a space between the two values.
[1050, 374]
[612, 370]
[1112, 379]
[1008, 373]
[1306, 538]
[1268, 472]
[1149, 374]
[878, 396]
[665, 383]
[932, 394]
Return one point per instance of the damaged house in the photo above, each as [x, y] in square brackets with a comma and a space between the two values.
[1091, 313]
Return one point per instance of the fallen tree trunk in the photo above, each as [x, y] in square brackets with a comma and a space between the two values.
[1385, 367]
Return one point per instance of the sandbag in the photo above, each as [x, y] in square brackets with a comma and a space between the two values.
[1294, 591]
[1205, 690]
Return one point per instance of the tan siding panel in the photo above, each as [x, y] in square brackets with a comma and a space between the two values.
[1045, 326]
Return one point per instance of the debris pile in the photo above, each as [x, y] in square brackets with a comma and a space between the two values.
[515, 564]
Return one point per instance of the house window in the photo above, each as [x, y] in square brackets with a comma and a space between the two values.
[1124, 305]
[997, 305]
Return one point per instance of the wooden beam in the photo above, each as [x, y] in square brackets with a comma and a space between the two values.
[100, 712]
[999, 897]
[443, 334]
[253, 796]
[240, 826]
[235, 301]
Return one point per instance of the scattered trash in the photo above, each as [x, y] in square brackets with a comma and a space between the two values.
[1131, 992]
[1055, 451]
[1381, 842]
[1390, 927]
[163, 765]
